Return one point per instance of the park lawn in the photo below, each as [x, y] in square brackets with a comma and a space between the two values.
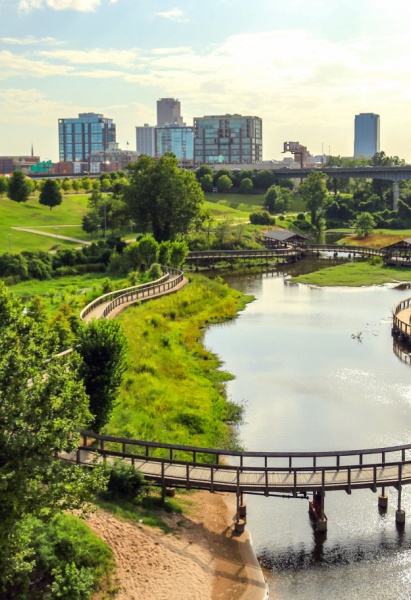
[33, 215]
[220, 211]
[378, 239]
[355, 275]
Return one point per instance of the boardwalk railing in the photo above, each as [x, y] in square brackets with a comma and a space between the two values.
[166, 283]
[143, 290]
[399, 325]
[264, 473]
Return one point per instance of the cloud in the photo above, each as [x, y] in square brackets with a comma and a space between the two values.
[93, 56]
[12, 66]
[80, 5]
[30, 40]
[174, 14]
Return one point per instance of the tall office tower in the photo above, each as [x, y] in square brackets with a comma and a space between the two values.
[176, 139]
[366, 135]
[169, 112]
[231, 139]
[146, 140]
[88, 133]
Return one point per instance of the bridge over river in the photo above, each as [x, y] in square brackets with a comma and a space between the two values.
[284, 474]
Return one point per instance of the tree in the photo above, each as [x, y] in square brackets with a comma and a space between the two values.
[3, 186]
[18, 187]
[102, 346]
[206, 182]
[178, 253]
[314, 193]
[90, 222]
[224, 183]
[163, 196]
[204, 170]
[364, 224]
[66, 185]
[76, 185]
[50, 195]
[246, 185]
[148, 249]
[42, 403]
[264, 178]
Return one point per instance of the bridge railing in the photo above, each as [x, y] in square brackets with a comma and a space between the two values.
[398, 323]
[146, 291]
[115, 294]
[206, 254]
[280, 461]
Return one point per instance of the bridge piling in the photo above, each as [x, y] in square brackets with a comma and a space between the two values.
[383, 499]
[316, 511]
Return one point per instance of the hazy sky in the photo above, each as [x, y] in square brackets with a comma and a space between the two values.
[306, 67]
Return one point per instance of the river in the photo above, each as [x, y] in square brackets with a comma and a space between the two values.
[315, 370]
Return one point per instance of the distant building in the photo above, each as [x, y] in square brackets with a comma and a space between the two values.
[111, 159]
[80, 137]
[178, 140]
[169, 112]
[8, 164]
[146, 140]
[232, 139]
[366, 135]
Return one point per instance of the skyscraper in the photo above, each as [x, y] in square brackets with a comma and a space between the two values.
[232, 139]
[146, 140]
[178, 140]
[169, 112]
[366, 135]
[79, 137]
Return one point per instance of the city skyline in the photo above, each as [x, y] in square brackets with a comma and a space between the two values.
[305, 67]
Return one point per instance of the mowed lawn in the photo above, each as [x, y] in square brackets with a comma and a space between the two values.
[33, 215]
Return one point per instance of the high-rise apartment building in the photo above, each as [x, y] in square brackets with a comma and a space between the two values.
[146, 140]
[178, 140]
[366, 135]
[232, 139]
[79, 137]
[169, 112]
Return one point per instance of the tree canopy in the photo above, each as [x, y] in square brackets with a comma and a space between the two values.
[163, 197]
[42, 403]
[314, 193]
[19, 187]
[50, 194]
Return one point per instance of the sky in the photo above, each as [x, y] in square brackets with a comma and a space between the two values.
[306, 67]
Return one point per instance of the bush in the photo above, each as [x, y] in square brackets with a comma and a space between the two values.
[375, 261]
[261, 218]
[123, 481]
[155, 272]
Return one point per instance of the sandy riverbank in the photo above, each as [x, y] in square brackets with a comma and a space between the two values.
[202, 560]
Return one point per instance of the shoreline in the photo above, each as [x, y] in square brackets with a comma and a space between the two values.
[202, 559]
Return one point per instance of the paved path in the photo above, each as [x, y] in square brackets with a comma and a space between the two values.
[53, 235]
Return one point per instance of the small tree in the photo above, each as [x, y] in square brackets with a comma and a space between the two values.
[50, 195]
[102, 346]
[364, 224]
[314, 193]
[3, 186]
[149, 249]
[224, 183]
[246, 186]
[206, 182]
[178, 253]
[19, 187]
[66, 185]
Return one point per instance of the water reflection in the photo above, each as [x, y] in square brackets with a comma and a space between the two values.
[307, 384]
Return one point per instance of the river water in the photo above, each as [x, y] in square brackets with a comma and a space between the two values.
[315, 370]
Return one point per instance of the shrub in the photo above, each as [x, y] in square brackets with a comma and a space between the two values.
[155, 272]
[261, 218]
[123, 481]
[376, 261]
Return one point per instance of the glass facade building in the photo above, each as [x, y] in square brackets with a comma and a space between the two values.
[366, 135]
[178, 140]
[79, 137]
[231, 139]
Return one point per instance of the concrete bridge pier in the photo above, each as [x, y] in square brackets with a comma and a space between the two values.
[382, 500]
[396, 194]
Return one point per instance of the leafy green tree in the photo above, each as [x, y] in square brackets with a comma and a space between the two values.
[76, 185]
[224, 183]
[148, 249]
[132, 256]
[222, 172]
[204, 170]
[103, 347]
[206, 183]
[246, 186]
[86, 184]
[263, 179]
[314, 193]
[164, 253]
[43, 402]
[19, 187]
[178, 253]
[163, 196]
[66, 185]
[50, 195]
[3, 186]
[364, 224]
[90, 222]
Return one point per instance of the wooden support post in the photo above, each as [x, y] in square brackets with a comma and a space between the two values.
[382, 499]
[400, 514]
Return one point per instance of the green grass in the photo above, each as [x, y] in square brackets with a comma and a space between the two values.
[355, 275]
[172, 390]
[33, 215]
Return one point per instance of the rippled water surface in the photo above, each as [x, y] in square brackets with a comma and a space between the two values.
[315, 370]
